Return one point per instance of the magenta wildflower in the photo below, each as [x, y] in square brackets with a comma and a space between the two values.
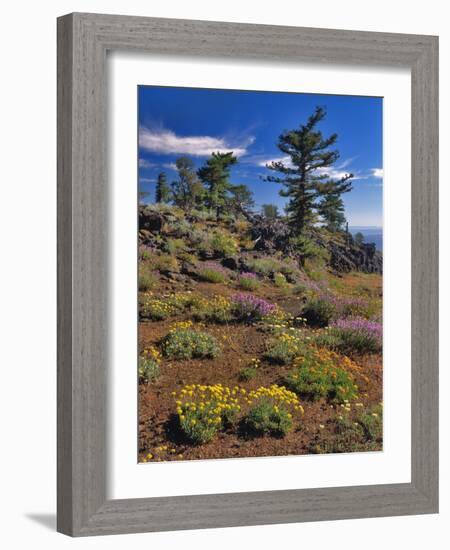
[249, 306]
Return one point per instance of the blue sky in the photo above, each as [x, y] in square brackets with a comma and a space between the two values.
[196, 122]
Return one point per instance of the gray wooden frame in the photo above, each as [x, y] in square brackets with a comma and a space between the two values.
[83, 41]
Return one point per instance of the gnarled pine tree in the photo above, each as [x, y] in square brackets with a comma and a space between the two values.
[215, 175]
[304, 174]
[162, 193]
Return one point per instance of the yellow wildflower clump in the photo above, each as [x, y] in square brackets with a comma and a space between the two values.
[279, 396]
[204, 409]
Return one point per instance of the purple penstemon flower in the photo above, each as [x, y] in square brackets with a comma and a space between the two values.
[250, 306]
[359, 325]
[213, 266]
[248, 275]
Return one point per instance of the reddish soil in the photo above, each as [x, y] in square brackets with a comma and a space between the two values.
[158, 429]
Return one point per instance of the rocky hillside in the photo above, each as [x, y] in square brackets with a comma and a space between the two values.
[259, 236]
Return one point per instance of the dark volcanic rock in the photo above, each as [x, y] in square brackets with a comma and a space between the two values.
[150, 220]
[270, 235]
[353, 257]
[231, 263]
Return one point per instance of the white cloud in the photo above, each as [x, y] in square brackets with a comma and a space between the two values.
[377, 172]
[143, 163]
[335, 173]
[170, 166]
[167, 142]
[146, 180]
[264, 162]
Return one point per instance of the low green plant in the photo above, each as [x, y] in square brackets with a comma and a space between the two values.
[271, 410]
[160, 308]
[174, 246]
[265, 417]
[322, 373]
[156, 309]
[223, 244]
[149, 365]
[148, 279]
[217, 309]
[264, 266]
[163, 263]
[355, 336]
[186, 343]
[319, 312]
[212, 273]
[371, 422]
[284, 347]
[248, 281]
[280, 280]
[248, 373]
[352, 433]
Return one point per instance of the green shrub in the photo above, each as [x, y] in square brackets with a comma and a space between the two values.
[212, 276]
[283, 348]
[265, 417]
[223, 244]
[174, 246]
[323, 373]
[203, 215]
[352, 434]
[183, 343]
[164, 263]
[327, 339]
[217, 309]
[248, 373]
[149, 363]
[212, 272]
[280, 280]
[248, 281]
[307, 249]
[347, 341]
[157, 309]
[319, 312]
[263, 266]
[372, 422]
[147, 279]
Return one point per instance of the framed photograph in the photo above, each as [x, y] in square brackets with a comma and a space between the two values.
[247, 274]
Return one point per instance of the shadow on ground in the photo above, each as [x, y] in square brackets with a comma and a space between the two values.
[46, 520]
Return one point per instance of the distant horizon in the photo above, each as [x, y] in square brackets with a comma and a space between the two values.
[193, 122]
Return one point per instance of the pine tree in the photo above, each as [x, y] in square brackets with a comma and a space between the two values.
[241, 198]
[187, 189]
[359, 238]
[270, 210]
[304, 176]
[215, 176]
[162, 193]
[331, 211]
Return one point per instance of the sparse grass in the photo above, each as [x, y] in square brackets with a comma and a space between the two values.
[148, 279]
[248, 281]
[212, 272]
